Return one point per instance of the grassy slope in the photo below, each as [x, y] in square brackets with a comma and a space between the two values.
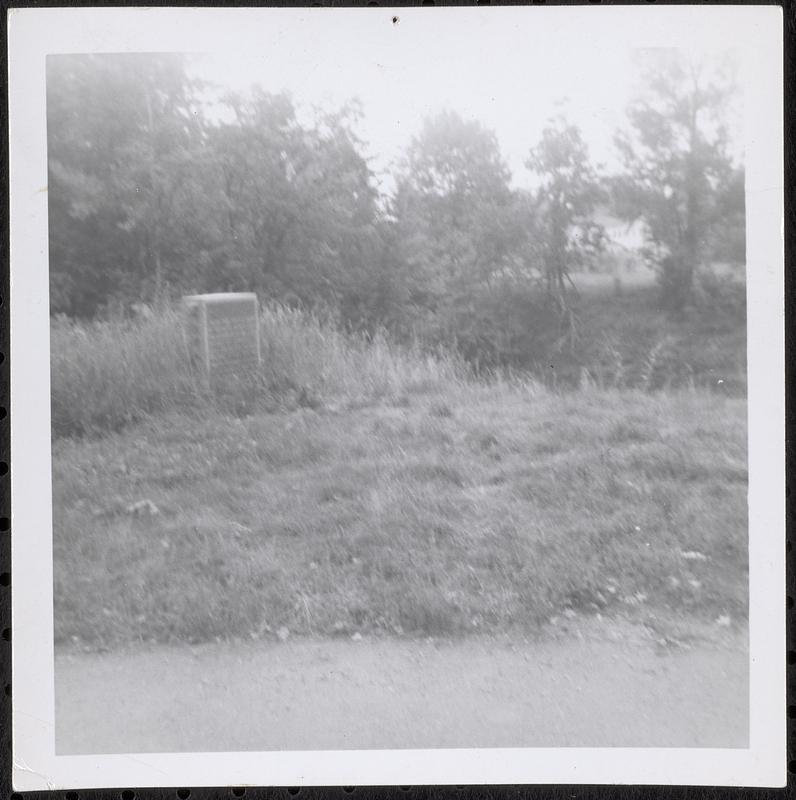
[443, 509]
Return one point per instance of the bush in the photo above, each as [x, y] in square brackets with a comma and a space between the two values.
[722, 295]
[509, 323]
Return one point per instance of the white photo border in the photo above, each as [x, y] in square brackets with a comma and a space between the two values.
[757, 33]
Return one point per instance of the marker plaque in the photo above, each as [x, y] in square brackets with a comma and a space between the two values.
[223, 333]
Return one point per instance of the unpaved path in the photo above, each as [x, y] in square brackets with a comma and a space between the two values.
[589, 688]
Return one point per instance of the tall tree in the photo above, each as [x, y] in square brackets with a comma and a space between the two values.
[677, 165]
[453, 206]
[568, 191]
[122, 139]
[296, 201]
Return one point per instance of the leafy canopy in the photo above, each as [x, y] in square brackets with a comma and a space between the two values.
[677, 165]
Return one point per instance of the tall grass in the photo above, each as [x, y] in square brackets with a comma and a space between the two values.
[107, 374]
[314, 355]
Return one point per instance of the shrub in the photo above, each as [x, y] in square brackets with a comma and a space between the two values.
[722, 294]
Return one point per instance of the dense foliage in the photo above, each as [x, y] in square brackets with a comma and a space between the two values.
[157, 190]
[678, 176]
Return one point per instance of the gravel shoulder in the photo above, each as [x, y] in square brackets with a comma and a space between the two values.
[584, 684]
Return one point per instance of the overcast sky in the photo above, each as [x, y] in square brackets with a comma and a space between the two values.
[511, 77]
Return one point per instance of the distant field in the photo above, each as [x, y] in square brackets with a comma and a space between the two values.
[440, 510]
[638, 277]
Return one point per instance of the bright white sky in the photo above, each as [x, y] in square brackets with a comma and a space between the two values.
[512, 77]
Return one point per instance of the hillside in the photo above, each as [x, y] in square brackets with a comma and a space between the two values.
[439, 512]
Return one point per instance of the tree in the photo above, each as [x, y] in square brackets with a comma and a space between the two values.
[455, 214]
[153, 193]
[677, 166]
[122, 140]
[568, 191]
[297, 208]
[728, 233]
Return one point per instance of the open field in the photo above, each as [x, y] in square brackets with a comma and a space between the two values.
[443, 511]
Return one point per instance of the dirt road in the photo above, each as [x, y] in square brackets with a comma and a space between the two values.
[590, 685]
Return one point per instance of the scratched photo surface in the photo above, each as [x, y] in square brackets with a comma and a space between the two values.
[395, 405]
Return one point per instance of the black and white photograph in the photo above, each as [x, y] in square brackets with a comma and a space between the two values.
[399, 366]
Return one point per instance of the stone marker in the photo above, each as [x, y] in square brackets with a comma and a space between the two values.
[223, 332]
